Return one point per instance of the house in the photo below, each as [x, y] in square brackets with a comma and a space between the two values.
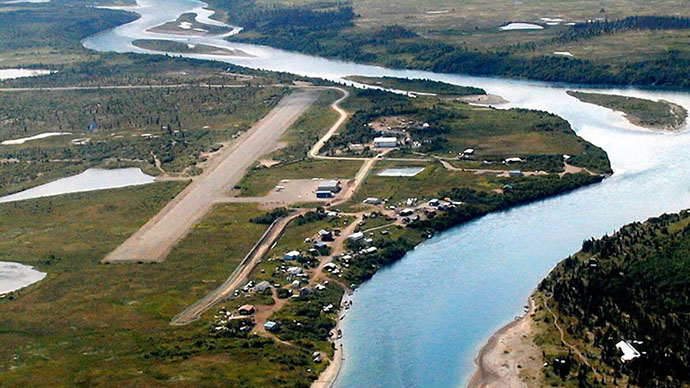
[406, 212]
[369, 250]
[356, 236]
[333, 186]
[247, 309]
[385, 142]
[515, 173]
[294, 270]
[292, 255]
[262, 286]
[271, 326]
[325, 235]
[372, 201]
[629, 352]
[434, 202]
[468, 151]
[324, 194]
[512, 160]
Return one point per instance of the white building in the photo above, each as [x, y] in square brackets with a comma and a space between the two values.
[385, 142]
[332, 186]
[629, 353]
[356, 236]
[292, 255]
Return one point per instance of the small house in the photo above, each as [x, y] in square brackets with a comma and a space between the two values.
[262, 286]
[406, 212]
[272, 326]
[304, 291]
[292, 255]
[247, 309]
[515, 174]
[512, 160]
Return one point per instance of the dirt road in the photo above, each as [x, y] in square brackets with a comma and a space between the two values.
[239, 276]
[156, 238]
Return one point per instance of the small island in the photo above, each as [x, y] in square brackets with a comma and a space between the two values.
[419, 86]
[657, 115]
[187, 24]
[187, 48]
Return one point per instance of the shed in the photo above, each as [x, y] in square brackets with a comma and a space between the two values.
[292, 255]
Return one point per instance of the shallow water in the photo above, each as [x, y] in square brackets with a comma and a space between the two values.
[15, 276]
[89, 180]
[420, 322]
[401, 172]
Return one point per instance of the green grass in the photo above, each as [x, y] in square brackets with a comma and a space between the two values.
[647, 113]
[89, 324]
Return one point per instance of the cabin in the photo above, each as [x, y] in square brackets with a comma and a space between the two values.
[385, 142]
[247, 309]
[292, 255]
[272, 326]
[629, 352]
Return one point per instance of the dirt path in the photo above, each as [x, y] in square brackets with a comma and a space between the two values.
[156, 238]
[239, 276]
[344, 115]
[570, 346]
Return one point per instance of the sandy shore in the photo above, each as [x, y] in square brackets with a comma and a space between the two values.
[328, 377]
[484, 99]
[507, 354]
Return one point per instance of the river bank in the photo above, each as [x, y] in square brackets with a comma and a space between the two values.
[508, 355]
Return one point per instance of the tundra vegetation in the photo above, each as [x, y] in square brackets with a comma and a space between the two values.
[662, 115]
[445, 39]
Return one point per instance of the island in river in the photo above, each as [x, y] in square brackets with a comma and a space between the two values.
[658, 115]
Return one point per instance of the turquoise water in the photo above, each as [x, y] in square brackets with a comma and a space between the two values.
[420, 322]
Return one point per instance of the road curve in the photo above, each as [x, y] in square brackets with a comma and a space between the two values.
[153, 241]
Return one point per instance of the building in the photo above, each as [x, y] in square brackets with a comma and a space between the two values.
[332, 186]
[385, 142]
[271, 326]
[372, 201]
[324, 194]
[262, 286]
[515, 173]
[356, 236]
[629, 352]
[292, 255]
[512, 160]
[247, 309]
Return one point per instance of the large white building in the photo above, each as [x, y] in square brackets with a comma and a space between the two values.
[385, 142]
[629, 353]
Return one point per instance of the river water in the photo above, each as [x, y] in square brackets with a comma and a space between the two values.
[420, 322]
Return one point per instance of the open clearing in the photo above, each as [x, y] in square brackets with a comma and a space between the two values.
[154, 240]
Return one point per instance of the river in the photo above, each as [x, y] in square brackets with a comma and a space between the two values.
[420, 322]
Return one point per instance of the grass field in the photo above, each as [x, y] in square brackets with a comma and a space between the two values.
[89, 324]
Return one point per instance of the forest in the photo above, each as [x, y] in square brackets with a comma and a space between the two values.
[631, 285]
